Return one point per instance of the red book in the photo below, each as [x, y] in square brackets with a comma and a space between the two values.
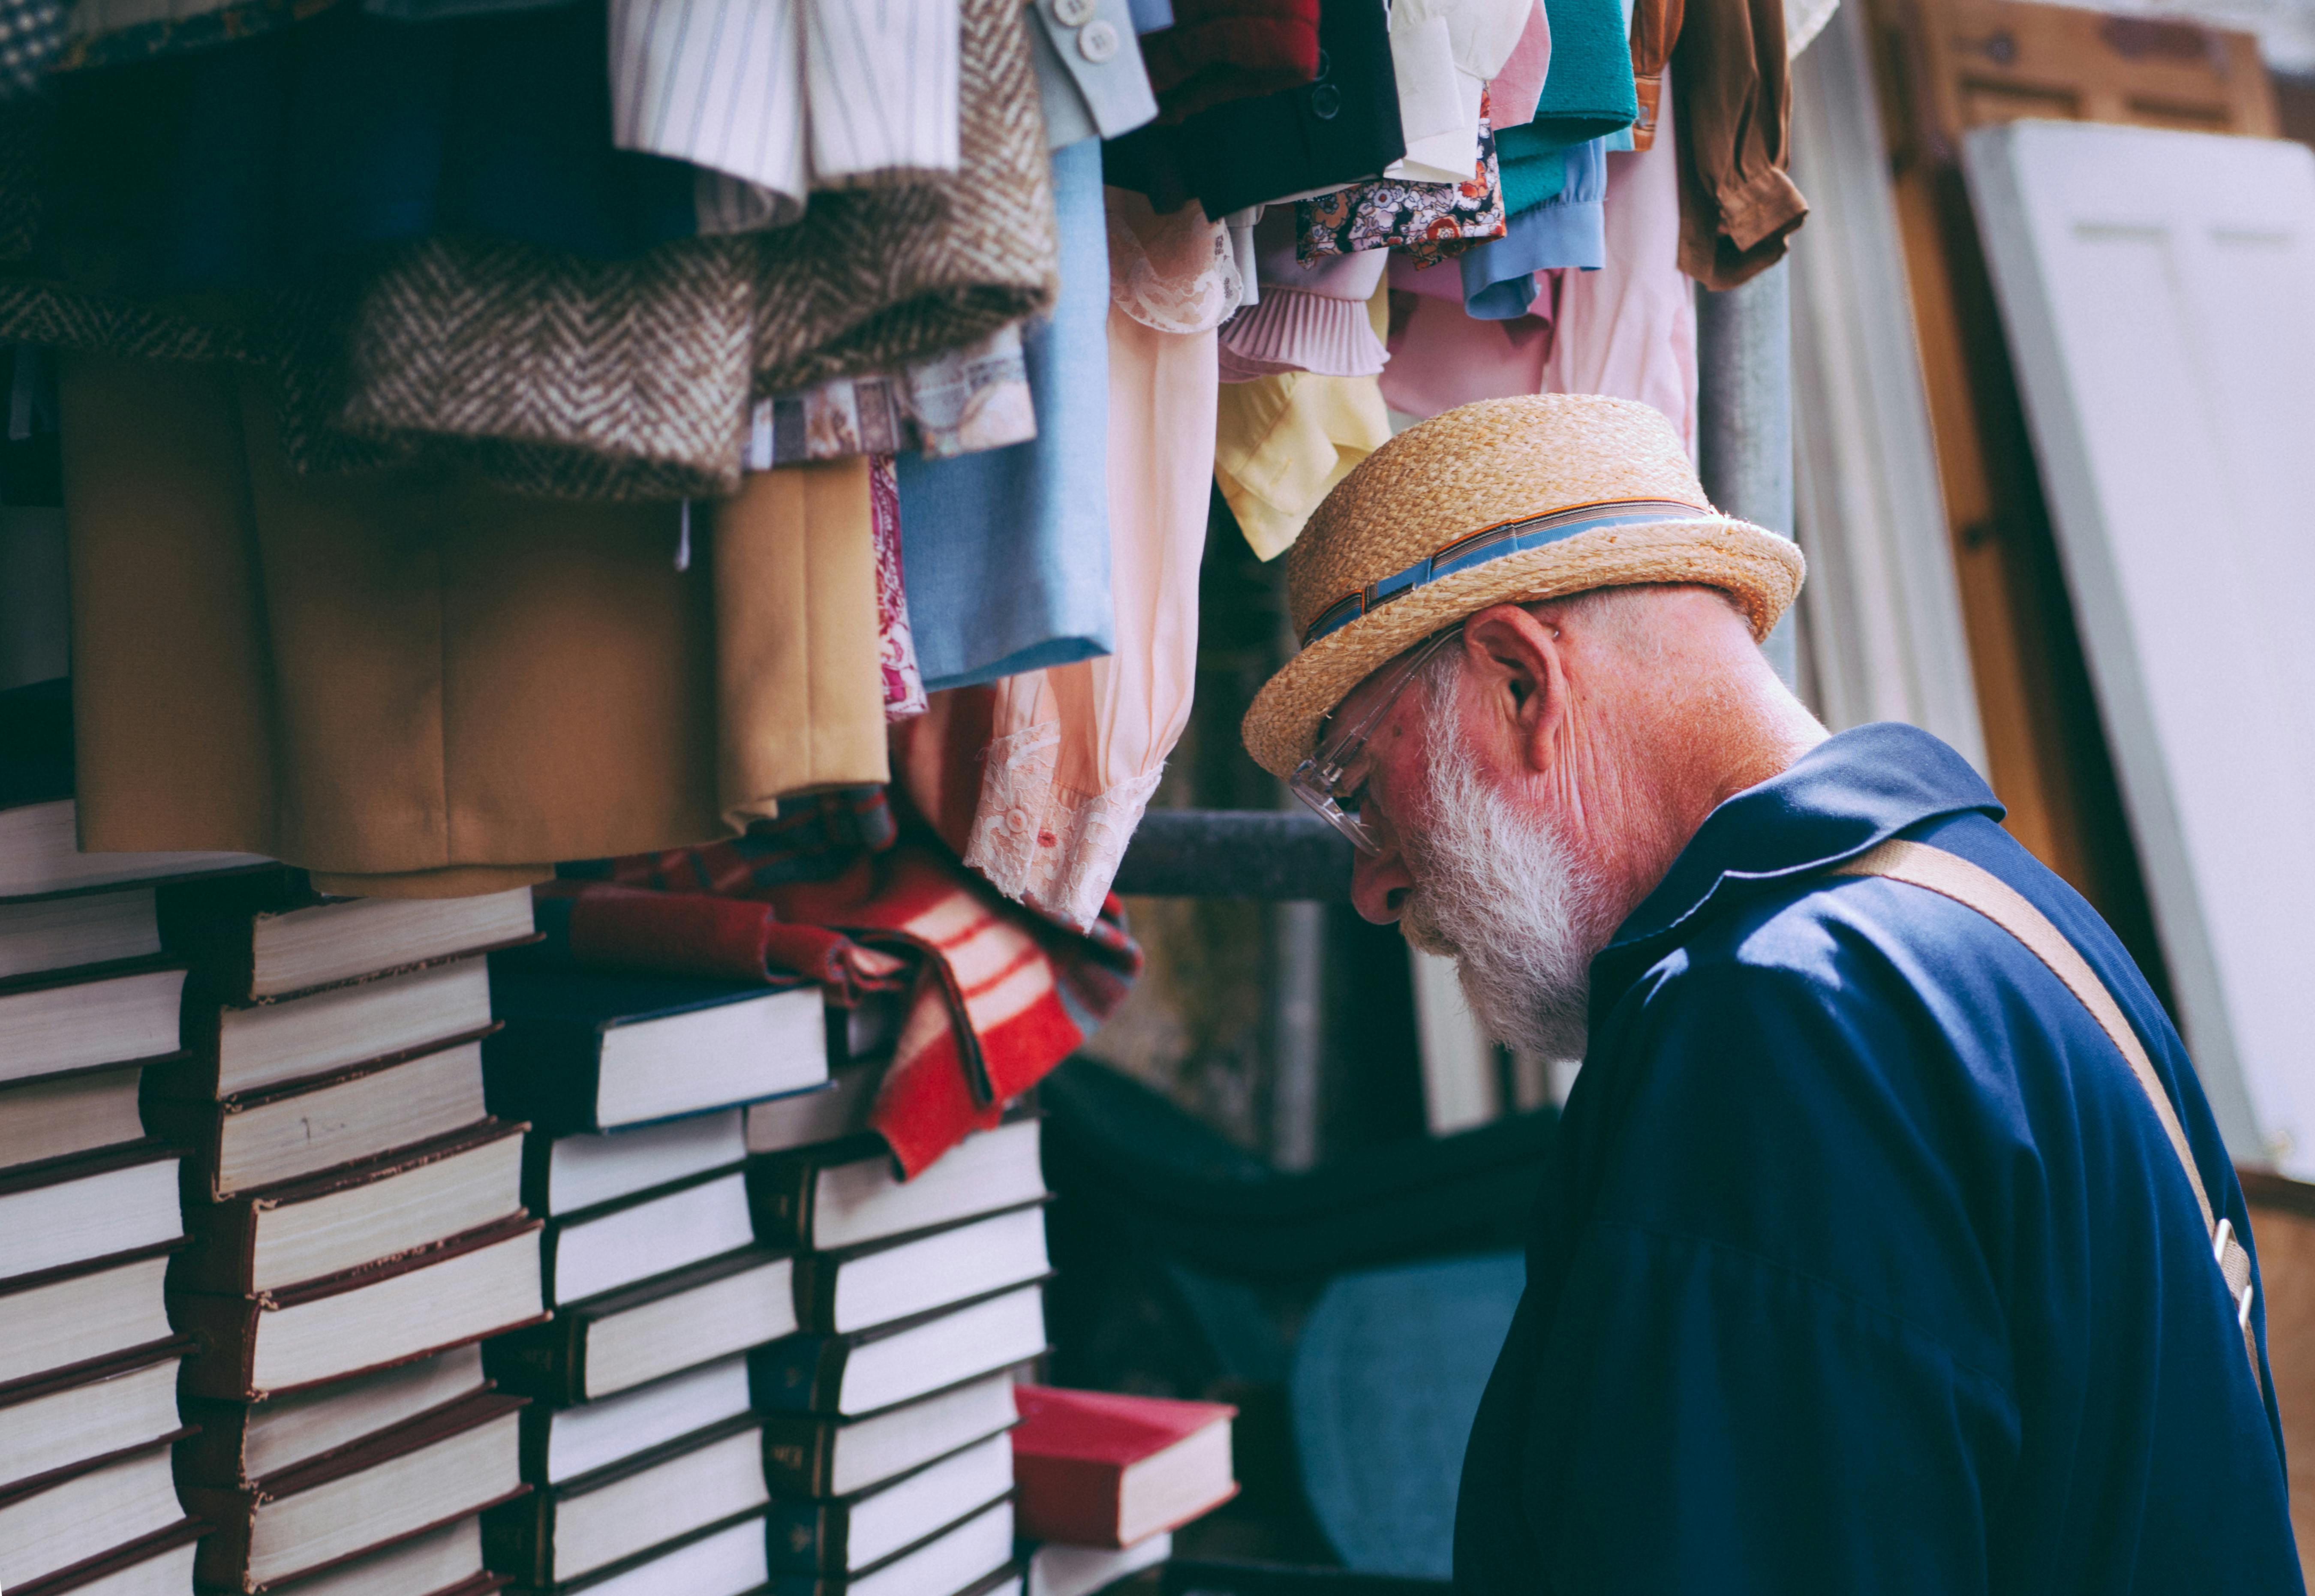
[1095, 1469]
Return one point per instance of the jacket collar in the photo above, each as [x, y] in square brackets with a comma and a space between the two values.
[1849, 793]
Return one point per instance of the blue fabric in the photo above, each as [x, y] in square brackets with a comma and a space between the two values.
[1568, 229]
[270, 157]
[1387, 1377]
[1865, 1264]
[1005, 553]
[1149, 16]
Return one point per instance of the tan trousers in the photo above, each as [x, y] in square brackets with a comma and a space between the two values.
[416, 686]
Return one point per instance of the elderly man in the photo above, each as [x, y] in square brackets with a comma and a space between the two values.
[1890, 1245]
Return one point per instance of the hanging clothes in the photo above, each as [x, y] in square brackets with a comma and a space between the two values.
[1630, 330]
[1427, 221]
[1442, 53]
[1588, 94]
[1341, 127]
[1078, 749]
[1514, 92]
[967, 399]
[1281, 442]
[1566, 232]
[1655, 29]
[1737, 204]
[1311, 315]
[1220, 50]
[1091, 80]
[417, 686]
[896, 644]
[1007, 551]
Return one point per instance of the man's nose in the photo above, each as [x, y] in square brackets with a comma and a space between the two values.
[1379, 884]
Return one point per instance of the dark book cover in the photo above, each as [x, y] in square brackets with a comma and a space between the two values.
[36, 742]
[549, 1361]
[519, 1537]
[545, 1065]
[780, 1186]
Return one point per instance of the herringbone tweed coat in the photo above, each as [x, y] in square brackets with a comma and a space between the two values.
[568, 378]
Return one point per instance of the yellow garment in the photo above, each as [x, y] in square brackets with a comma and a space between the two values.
[1281, 442]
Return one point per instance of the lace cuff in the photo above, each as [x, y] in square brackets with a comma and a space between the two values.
[1052, 848]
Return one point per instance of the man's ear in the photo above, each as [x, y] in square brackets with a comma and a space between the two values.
[1515, 657]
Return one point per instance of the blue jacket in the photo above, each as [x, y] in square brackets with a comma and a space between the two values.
[1866, 1267]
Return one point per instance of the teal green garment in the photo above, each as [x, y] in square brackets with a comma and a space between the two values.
[1587, 94]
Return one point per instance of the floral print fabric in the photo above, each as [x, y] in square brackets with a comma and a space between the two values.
[1430, 221]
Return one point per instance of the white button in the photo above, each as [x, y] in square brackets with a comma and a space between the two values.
[1073, 14]
[1097, 42]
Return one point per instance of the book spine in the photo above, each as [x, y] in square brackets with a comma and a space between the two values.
[546, 1362]
[805, 1537]
[223, 1559]
[779, 1202]
[801, 1584]
[799, 1457]
[815, 1292]
[537, 1159]
[800, 1374]
[1074, 1501]
[533, 1430]
[197, 1126]
[546, 1071]
[213, 1454]
[518, 1538]
[226, 1329]
[224, 1239]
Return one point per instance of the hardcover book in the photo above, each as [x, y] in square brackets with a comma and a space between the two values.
[849, 1193]
[1097, 1469]
[821, 1455]
[96, 1412]
[275, 1134]
[595, 1051]
[236, 1443]
[869, 1370]
[625, 1338]
[262, 937]
[48, 934]
[63, 1521]
[857, 1532]
[562, 1175]
[355, 1216]
[634, 1238]
[62, 1021]
[561, 1532]
[418, 1475]
[484, 1282]
[303, 1040]
[958, 1559]
[77, 1318]
[859, 1288]
[65, 1114]
[69, 1211]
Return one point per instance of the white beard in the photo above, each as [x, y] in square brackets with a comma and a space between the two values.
[1499, 892]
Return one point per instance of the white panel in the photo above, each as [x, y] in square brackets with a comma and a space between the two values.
[2158, 291]
[1459, 1062]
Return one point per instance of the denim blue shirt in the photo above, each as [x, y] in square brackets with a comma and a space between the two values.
[1865, 1265]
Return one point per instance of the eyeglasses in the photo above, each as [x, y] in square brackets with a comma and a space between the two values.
[1333, 780]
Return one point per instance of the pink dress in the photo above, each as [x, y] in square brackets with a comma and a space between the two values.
[1078, 749]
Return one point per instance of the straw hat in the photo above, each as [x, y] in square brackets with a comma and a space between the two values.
[1507, 501]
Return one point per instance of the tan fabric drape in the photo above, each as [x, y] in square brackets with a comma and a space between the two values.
[417, 685]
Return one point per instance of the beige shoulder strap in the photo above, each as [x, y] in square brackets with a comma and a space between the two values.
[1965, 883]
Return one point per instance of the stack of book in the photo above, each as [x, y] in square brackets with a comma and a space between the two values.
[644, 1453]
[1106, 1479]
[358, 1227]
[886, 1415]
[89, 1212]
